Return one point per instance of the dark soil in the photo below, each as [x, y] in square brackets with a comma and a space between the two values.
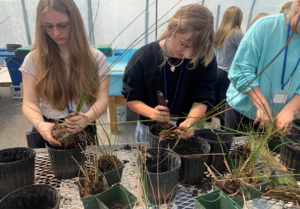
[165, 131]
[108, 163]
[127, 147]
[195, 193]
[188, 151]
[230, 187]
[125, 161]
[252, 181]
[117, 204]
[241, 154]
[205, 185]
[92, 187]
[69, 140]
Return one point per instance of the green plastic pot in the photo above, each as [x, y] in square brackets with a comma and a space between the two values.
[116, 192]
[274, 145]
[283, 178]
[114, 176]
[91, 202]
[215, 200]
[250, 192]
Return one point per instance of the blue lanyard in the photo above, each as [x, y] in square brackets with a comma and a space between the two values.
[70, 110]
[284, 63]
[166, 94]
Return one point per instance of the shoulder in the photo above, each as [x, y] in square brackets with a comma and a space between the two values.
[97, 54]
[30, 63]
[267, 23]
[149, 50]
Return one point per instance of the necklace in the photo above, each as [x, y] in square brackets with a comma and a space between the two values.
[173, 66]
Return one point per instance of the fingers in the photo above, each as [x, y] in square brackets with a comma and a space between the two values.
[48, 137]
[185, 134]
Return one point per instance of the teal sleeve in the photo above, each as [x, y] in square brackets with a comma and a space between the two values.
[243, 70]
[298, 90]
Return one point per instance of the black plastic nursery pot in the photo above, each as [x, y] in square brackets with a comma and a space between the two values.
[215, 200]
[283, 178]
[32, 197]
[62, 163]
[289, 155]
[16, 169]
[216, 146]
[91, 202]
[114, 176]
[295, 126]
[192, 168]
[250, 192]
[160, 187]
[154, 140]
[116, 192]
[274, 145]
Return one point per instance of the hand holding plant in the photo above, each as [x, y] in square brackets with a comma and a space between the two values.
[77, 121]
[283, 119]
[263, 117]
[186, 134]
[45, 130]
[161, 112]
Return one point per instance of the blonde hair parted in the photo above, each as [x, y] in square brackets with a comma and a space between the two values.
[199, 20]
[52, 83]
[286, 7]
[231, 21]
[260, 15]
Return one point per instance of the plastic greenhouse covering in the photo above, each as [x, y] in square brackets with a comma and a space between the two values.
[106, 19]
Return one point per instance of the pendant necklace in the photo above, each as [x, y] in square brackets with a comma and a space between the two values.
[173, 66]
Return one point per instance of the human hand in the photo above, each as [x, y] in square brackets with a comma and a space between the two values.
[45, 129]
[161, 112]
[283, 120]
[77, 122]
[263, 118]
[186, 134]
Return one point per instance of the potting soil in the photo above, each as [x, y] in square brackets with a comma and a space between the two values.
[117, 204]
[108, 163]
[205, 184]
[188, 151]
[230, 187]
[165, 131]
[241, 154]
[69, 140]
[92, 187]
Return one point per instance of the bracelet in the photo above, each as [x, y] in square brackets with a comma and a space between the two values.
[37, 125]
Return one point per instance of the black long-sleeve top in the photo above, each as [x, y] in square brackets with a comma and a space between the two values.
[144, 76]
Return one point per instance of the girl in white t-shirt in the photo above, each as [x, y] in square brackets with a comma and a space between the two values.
[59, 69]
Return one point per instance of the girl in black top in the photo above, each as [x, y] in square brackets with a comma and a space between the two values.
[181, 64]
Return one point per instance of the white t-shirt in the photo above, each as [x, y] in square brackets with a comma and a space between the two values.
[29, 66]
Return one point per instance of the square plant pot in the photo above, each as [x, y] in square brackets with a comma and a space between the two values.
[114, 176]
[116, 192]
[90, 202]
[215, 200]
[283, 178]
[250, 192]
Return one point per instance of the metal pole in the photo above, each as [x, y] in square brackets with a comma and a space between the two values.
[146, 21]
[156, 21]
[25, 17]
[90, 20]
[203, 2]
[218, 16]
[250, 14]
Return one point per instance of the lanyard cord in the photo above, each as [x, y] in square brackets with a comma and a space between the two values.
[165, 76]
[70, 110]
[284, 62]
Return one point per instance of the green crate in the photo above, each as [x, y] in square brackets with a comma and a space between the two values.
[22, 52]
[116, 192]
[283, 178]
[106, 50]
[215, 200]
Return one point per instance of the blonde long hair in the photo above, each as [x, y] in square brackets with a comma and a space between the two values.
[52, 83]
[198, 19]
[260, 15]
[293, 8]
[232, 20]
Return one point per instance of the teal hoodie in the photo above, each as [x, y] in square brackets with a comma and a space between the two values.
[261, 43]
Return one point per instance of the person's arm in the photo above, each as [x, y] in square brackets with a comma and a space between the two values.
[197, 111]
[159, 113]
[263, 115]
[286, 115]
[31, 109]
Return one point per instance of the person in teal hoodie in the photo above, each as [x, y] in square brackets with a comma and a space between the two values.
[274, 94]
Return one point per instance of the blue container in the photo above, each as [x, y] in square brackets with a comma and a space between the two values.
[13, 66]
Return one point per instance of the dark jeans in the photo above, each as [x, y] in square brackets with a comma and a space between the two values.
[239, 122]
[35, 139]
[220, 89]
